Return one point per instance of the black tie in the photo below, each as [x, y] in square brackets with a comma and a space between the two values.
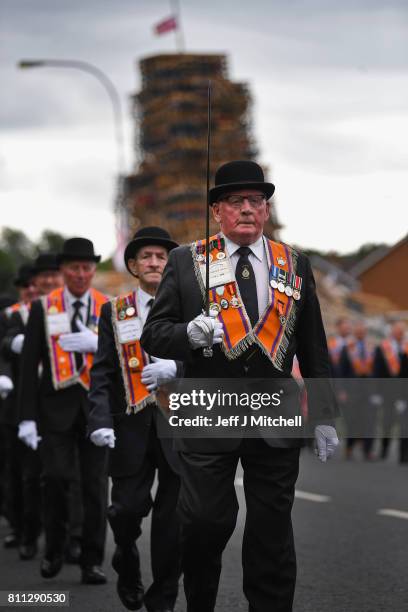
[245, 276]
[74, 326]
[149, 305]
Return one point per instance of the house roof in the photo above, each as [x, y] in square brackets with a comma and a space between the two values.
[374, 257]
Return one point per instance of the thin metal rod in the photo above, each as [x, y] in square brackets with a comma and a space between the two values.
[207, 225]
[179, 33]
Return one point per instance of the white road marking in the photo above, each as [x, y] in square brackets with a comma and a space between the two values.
[314, 497]
[391, 512]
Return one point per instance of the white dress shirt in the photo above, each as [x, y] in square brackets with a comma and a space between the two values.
[259, 262]
[143, 299]
[84, 309]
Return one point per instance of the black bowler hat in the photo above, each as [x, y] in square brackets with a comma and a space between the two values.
[148, 236]
[45, 262]
[239, 175]
[78, 249]
[24, 275]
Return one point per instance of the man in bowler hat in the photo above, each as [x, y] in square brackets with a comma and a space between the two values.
[124, 416]
[61, 335]
[264, 310]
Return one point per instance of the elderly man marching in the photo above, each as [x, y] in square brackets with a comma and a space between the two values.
[124, 416]
[61, 335]
[265, 309]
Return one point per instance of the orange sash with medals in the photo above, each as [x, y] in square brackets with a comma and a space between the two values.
[361, 366]
[392, 357]
[127, 326]
[275, 326]
[63, 367]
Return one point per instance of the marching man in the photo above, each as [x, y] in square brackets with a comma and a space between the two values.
[125, 417]
[264, 309]
[61, 335]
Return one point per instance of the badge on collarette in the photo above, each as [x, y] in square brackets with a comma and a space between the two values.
[58, 324]
[129, 330]
[220, 273]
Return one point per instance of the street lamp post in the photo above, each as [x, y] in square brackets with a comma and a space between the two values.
[104, 81]
[111, 90]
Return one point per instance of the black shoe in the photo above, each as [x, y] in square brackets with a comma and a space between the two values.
[27, 551]
[10, 541]
[93, 574]
[51, 567]
[130, 596]
[129, 585]
[73, 552]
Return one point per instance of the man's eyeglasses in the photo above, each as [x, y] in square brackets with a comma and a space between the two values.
[236, 201]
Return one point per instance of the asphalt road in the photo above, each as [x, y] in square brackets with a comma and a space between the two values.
[351, 531]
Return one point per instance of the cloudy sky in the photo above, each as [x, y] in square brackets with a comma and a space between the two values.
[330, 86]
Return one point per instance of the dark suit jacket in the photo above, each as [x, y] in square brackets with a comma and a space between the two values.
[179, 300]
[37, 399]
[396, 387]
[11, 326]
[108, 407]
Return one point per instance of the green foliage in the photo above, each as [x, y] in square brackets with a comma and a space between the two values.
[16, 249]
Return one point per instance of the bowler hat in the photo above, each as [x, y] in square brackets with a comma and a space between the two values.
[239, 175]
[147, 236]
[78, 249]
[45, 262]
[24, 275]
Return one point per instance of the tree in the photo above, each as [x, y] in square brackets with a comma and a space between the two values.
[50, 241]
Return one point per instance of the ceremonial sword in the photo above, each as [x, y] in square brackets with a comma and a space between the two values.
[208, 350]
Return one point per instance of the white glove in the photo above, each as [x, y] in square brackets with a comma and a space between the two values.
[204, 331]
[376, 399]
[400, 406]
[326, 441]
[103, 437]
[84, 341]
[27, 432]
[6, 385]
[160, 370]
[17, 344]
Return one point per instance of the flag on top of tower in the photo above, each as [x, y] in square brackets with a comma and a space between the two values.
[166, 25]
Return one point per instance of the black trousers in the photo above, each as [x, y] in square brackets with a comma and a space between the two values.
[59, 451]
[208, 510]
[131, 501]
[31, 467]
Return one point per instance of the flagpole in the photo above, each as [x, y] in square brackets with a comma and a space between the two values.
[175, 9]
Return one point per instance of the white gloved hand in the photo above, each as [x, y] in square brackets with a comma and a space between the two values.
[326, 441]
[6, 386]
[84, 341]
[160, 370]
[400, 406]
[204, 331]
[27, 432]
[17, 344]
[376, 399]
[103, 437]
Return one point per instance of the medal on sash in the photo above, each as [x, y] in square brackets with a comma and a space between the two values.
[281, 309]
[281, 280]
[281, 261]
[273, 280]
[298, 287]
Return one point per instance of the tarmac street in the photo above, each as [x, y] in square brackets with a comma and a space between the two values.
[351, 531]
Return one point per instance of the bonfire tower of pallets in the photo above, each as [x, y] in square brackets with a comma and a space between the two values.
[170, 112]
